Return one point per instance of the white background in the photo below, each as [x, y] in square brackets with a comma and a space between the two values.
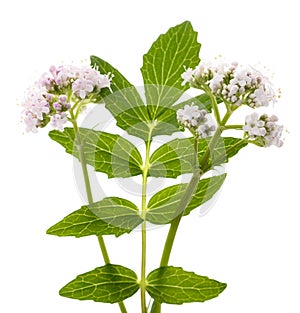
[250, 239]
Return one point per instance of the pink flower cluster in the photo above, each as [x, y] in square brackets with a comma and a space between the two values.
[195, 120]
[233, 83]
[57, 91]
[264, 129]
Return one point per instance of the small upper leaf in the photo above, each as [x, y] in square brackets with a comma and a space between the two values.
[109, 283]
[163, 206]
[175, 286]
[110, 216]
[108, 153]
[175, 158]
[165, 61]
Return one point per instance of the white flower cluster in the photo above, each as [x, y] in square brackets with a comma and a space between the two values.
[52, 96]
[264, 129]
[231, 82]
[195, 120]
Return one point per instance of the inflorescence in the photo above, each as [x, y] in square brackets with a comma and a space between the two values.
[234, 85]
[58, 91]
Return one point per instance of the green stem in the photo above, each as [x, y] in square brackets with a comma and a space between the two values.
[89, 194]
[237, 127]
[185, 200]
[213, 101]
[144, 225]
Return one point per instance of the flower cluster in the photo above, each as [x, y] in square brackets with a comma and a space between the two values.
[57, 91]
[263, 129]
[231, 82]
[195, 120]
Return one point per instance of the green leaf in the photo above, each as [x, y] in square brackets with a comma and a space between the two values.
[175, 158]
[164, 63]
[110, 216]
[107, 153]
[117, 212]
[175, 286]
[109, 283]
[163, 206]
[137, 119]
[131, 117]
[125, 103]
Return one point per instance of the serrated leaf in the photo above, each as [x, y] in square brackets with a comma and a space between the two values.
[138, 120]
[117, 212]
[175, 158]
[84, 222]
[163, 206]
[110, 284]
[110, 216]
[107, 153]
[164, 63]
[173, 285]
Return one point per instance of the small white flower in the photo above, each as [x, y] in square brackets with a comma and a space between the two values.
[254, 126]
[189, 115]
[187, 76]
[195, 120]
[36, 103]
[233, 89]
[264, 128]
[262, 97]
[216, 83]
[31, 122]
[82, 87]
[59, 120]
[104, 81]
[204, 131]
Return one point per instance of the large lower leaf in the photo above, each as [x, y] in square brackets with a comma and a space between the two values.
[110, 216]
[164, 63]
[176, 157]
[109, 283]
[175, 286]
[108, 153]
[163, 206]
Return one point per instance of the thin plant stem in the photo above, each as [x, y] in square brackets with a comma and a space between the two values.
[89, 194]
[144, 227]
[185, 200]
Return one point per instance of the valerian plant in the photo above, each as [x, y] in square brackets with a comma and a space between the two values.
[170, 67]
